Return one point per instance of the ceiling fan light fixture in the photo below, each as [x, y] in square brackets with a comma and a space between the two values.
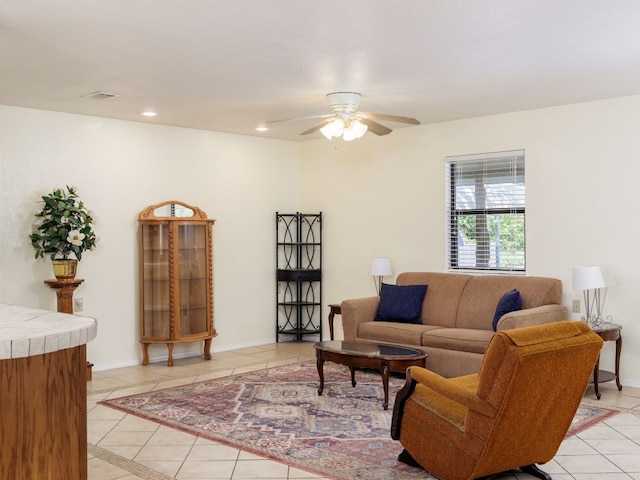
[353, 131]
[349, 130]
[337, 127]
[347, 122]
[326, 131]
[348, 135]
[358, 128]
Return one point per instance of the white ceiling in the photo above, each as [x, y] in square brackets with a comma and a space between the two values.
[229, 66]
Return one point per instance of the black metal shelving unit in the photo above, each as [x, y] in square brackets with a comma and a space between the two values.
[298, 275]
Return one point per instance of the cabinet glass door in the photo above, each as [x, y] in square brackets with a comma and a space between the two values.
[193, 263]
[155, 258]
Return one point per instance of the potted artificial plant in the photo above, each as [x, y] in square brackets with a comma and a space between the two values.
[63, 230]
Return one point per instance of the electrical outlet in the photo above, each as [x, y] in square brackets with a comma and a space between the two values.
[77, 304]
[576, 306]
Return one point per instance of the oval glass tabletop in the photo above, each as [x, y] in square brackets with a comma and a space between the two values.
[366, 349]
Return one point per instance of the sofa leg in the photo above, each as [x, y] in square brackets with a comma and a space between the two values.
[405, 457]
[534, 470]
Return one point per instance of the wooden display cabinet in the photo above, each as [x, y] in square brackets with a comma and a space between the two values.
[176, 277]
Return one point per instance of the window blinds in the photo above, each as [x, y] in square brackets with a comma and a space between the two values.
[486, 212]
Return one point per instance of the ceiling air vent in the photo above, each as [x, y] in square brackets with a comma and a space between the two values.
[100, 95]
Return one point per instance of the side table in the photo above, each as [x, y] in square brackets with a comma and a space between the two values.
[608, 332]
[334, 309]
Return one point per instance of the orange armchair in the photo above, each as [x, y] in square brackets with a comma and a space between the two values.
[513, 413]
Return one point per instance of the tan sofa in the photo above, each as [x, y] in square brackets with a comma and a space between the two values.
[457, 316]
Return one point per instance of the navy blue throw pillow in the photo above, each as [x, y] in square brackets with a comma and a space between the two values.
[510, 302]
[401, 303]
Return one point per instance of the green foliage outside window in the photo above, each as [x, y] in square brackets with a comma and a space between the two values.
[505, 231]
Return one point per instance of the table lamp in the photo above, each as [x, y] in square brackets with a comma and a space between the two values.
[592, 283]
[379, 267]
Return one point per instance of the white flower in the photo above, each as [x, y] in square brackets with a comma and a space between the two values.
[75, 237]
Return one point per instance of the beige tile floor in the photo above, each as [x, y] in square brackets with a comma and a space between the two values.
[125, 447]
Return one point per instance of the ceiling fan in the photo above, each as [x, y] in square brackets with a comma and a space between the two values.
[347, 122]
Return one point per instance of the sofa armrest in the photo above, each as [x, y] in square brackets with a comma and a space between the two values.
[533, 316]
[355, 311]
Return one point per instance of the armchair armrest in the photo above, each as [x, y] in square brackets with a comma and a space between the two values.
[532, 316]
[446, 387]
[356, 311]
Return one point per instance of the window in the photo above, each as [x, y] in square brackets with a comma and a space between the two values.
[486, 212]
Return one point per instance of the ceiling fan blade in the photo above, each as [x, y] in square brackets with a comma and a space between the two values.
[392, 118]
[299, 118]
[375, 127]
[317, 126]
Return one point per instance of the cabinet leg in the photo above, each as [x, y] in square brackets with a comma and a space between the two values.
[170, 360]
[145, 354]
[207, 349]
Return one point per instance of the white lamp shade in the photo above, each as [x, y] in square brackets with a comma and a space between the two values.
[337, 127]
[359, 128]
[349, 134]
[326, 131]
[587, 278]
[354, 130]
[380, 266]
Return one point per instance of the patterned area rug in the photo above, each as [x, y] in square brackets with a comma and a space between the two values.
[277, 413]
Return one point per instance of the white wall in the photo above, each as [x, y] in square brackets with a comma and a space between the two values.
[384, 196]
[379, 196]
[119, 168]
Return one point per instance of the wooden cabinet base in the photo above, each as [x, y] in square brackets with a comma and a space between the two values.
[146, 343]
[43, 419]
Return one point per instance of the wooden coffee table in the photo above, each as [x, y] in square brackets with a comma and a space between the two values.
[383, 357]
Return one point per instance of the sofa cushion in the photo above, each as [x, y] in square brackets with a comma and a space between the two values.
[510, 302]
[409, 334]
[440, 306]
[401, 303]
[477, 303]
[460, 339]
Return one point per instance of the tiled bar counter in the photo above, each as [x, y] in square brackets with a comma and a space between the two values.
[43, 394]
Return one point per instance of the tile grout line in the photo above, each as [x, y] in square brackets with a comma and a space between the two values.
[130, 466]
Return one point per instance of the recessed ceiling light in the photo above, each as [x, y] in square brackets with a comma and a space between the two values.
[262, 129]
[148, 114]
